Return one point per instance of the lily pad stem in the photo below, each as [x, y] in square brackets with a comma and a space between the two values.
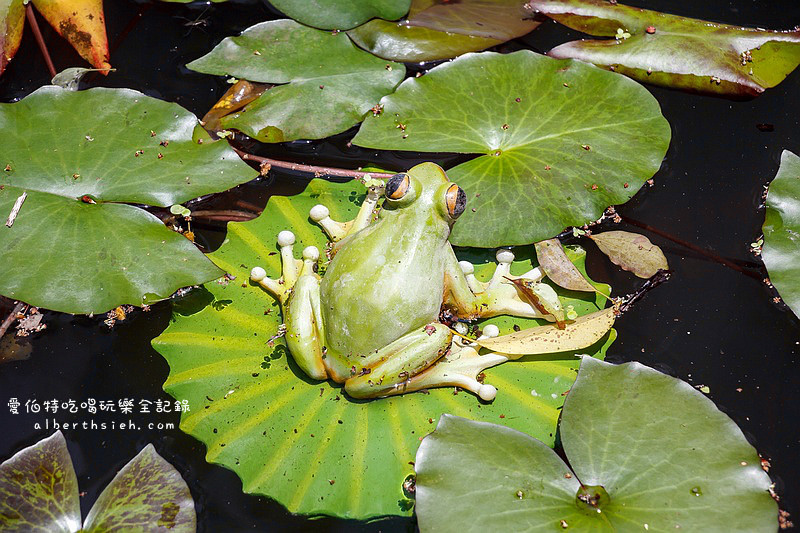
[266, 164]
[37, 33]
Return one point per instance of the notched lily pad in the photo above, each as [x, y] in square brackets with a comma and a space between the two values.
[781, 250]
[324, 83]
[71, 160]
[558, 140]
[305, 443]
[673, 51]
[39, 492]
[692, 470]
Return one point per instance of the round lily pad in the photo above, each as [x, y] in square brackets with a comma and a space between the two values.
[557, 141]
[688, 469]
[781, 250]
[72, 160]
[305, 443]
[324, 83]
[341, 14]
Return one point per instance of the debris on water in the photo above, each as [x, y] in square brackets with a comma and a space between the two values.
[12, 216]
[31, 323]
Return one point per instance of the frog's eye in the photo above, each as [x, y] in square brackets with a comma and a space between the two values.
[397, 186]
[456, 200]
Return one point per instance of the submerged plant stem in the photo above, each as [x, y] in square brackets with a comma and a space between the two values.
[266, 163]
[233, 215]
[702, 251]
[37, 33]
[12, 316]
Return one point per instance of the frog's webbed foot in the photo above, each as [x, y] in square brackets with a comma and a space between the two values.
[460, 367]
[499, 296]
[339, 230]
[292, 268]
[298, 293]
[423, 359]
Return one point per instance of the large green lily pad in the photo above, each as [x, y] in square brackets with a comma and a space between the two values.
[781, 250]
[440, 29]
[679, 52]
[39, 492]
[327, 84]
[305, 443]
[341, 14]
[689, 468]
[559, 140]
[80, 155]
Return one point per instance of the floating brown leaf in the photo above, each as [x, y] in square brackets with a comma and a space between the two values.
[535, 293]
[632, 252]
[559, 268]
[581, 333]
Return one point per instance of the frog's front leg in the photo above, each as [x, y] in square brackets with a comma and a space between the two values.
[422, 359]
[471, 298]
[298, 293]
[339, 230]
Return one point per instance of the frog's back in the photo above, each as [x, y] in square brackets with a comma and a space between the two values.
[378, 289]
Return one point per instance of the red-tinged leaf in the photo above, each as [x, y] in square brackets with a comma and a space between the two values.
[12, 20]
[441, 29]
[239, 95]
[695, 55]
[493, 19]
[81, 22]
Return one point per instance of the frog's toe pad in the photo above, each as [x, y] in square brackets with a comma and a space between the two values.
[487, 393]
[321, 215]
[286, 238]
[257, 274]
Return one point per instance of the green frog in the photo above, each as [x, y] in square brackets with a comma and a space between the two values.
[372, 322]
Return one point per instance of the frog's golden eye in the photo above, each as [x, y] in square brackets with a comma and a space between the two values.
[397, 186]
[456, 200]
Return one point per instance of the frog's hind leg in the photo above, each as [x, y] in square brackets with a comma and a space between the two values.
[339, 230]
[298, 293]
[472, 298]
[423, 359]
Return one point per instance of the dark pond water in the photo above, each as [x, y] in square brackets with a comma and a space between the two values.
[710, 324]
